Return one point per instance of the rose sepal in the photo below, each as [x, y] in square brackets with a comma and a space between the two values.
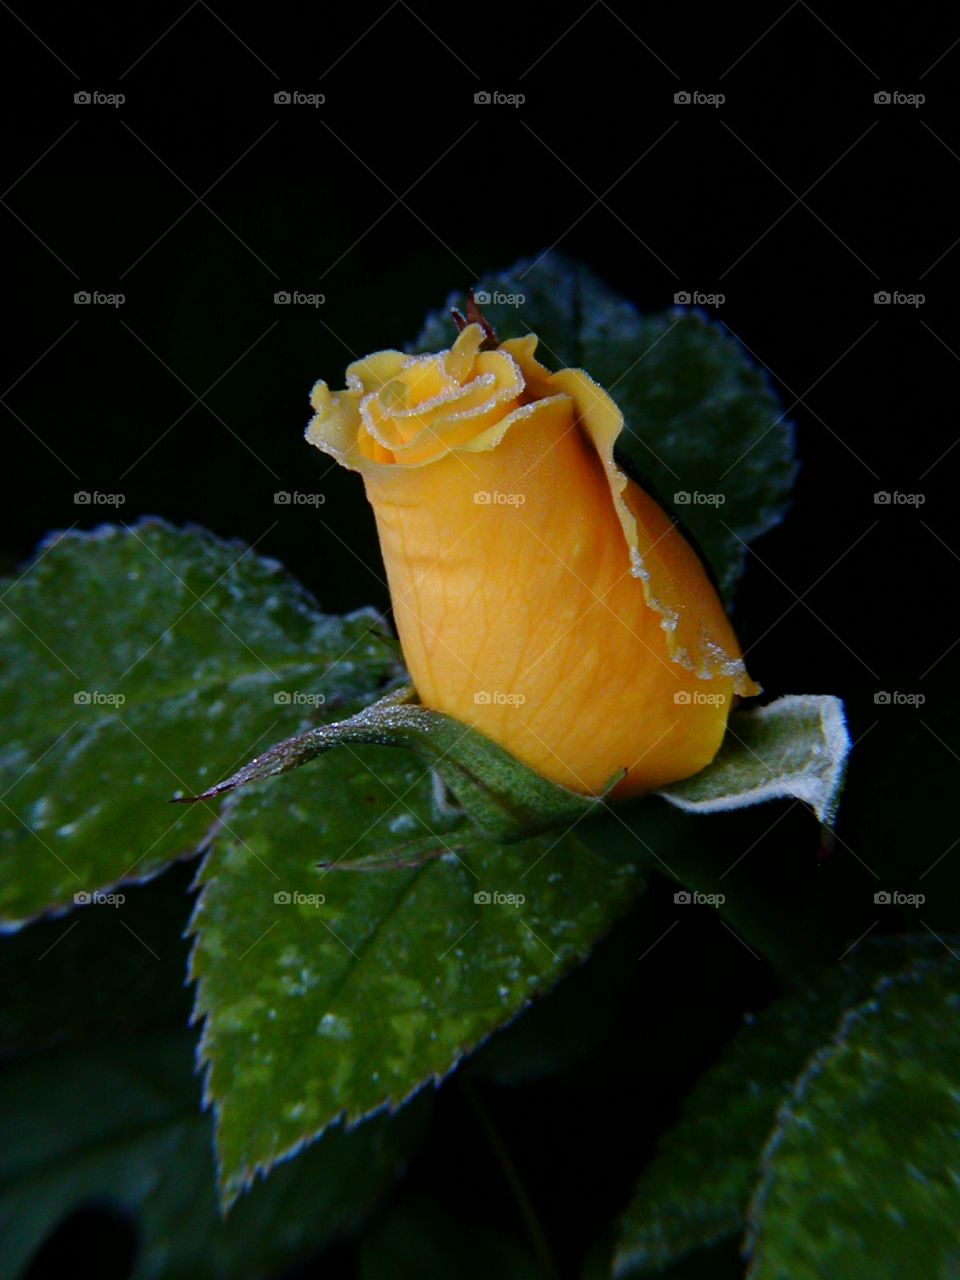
[506, 799]
[793, 748]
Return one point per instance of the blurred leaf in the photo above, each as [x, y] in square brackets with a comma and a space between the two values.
[862, 1175]
[704, 430]
[796, 746]
[720, 1261]
[116, 970]
[697, 854]
[419, 1240]
[196, 635]
[696, 1190]
[123, 1124]
[321, 1008]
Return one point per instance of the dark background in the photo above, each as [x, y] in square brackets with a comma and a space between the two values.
[798, 198]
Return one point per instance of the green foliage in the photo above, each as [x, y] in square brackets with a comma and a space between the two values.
[410, 1243]
[700, 417]
[887, 1202]
[697, 1190]
[196, 636]
[122, 1124]
[328, 997]
[329, 993]
[794, 747]
[506, 799]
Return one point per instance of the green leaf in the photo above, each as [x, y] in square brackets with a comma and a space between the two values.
[419, 1240]
[697, 1189]
[317, 1008]
[197, 636]
[123, 1124]
[575, 1021]
[702, 422]
[507, 799]
[862, 1176]
[794, 747]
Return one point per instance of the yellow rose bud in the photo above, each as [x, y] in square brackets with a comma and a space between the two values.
[539, 594]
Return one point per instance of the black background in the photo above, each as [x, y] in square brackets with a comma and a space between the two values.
[798, 199]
